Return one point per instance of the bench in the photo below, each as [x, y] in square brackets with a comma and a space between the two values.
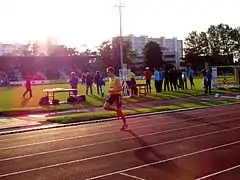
[51, 103]
[142, 89]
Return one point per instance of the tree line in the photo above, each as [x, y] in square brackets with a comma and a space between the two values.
[218, 40]
[107, 54]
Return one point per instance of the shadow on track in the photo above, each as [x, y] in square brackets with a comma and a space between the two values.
[148, 155]
[200, 120]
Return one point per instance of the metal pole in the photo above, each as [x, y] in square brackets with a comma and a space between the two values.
[120, 38]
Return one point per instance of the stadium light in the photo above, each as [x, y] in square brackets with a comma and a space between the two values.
[120, 6]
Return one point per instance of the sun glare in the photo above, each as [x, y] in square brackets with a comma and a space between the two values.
[71, 22]
[78, 22]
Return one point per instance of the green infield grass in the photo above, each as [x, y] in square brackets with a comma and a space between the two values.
[11, 97]
[109, 114]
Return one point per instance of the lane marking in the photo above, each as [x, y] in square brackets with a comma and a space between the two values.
[131, 176]
[166, 160]
[219, 172]
[101, 133]
[109, 125]
[124, 151]
[110, 141]
[139, 119]
[104, 133]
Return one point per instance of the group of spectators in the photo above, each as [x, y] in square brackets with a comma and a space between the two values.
[89, 79]
[169, 79]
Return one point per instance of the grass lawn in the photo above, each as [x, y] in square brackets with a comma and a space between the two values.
[109, 114]
[12, 101]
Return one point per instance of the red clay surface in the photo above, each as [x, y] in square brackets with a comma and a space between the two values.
[192, 145]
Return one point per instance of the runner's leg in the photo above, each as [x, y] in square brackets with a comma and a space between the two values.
[108, 105]
[120, 112]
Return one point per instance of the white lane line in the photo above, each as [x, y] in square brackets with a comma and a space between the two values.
[110, 141]
[219, 172]
[104, 133]
[166, 160]
[111, 124]
[131, 176]
[101, 133]
[99, 126]
[119, 152]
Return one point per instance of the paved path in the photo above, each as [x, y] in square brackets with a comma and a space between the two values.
[199, 144]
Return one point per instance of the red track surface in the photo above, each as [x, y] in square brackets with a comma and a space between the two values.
[199, 144]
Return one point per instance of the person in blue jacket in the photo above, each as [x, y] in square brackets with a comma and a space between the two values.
[156, 80]
[161, 77]
[184, 78]
[208, 77]
[191, 77]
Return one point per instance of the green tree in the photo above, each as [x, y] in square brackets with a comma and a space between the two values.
[35, 49]
[30, 49]
[192, 46]
[87, 52]
[57, 50]
[109, 53]
[152, 55]
[220, 40]
[72, 52]
[128, 53]
[235, 35]
[217, 40]
[105, 53]
[61, 50]
[203, 42]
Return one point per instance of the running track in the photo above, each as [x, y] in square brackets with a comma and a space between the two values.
[191, 145]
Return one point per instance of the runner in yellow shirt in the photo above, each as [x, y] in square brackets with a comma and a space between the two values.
[115, 91]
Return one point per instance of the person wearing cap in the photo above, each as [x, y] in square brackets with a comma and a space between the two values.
[74, 83]
[148, 77]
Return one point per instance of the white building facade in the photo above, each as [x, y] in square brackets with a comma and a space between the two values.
[172, 49]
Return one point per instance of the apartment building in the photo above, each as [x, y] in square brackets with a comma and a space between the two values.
[172, 49]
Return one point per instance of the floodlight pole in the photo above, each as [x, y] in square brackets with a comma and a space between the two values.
[120, 6]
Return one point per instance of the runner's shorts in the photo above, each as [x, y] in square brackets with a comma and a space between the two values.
[115, 98]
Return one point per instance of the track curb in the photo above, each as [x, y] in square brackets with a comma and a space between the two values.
[42, 127]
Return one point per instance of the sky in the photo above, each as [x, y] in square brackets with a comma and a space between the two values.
[86, 23]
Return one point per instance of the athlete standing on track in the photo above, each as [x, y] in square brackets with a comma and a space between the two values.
[115, 91]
